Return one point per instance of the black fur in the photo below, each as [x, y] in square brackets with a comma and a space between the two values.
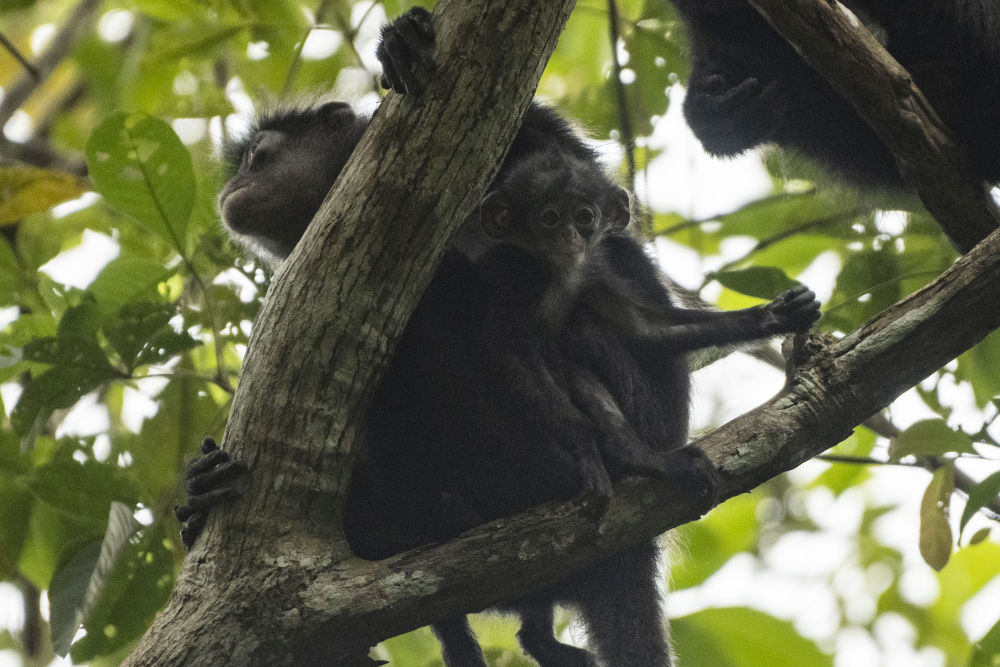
[517, 380]
[748, 86]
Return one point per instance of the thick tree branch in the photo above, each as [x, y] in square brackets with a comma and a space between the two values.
[837, 46]
[279, 586]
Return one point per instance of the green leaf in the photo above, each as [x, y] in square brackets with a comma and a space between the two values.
[83, 491]
[66, 593]
[80, 321]
[131, 593]
[57, 388]
[980, 366]
[709, 544]
[979, 536]
[986, 652]
[80, 588]
[741, 637]
[188, 413]
[929, 437]
[139, 165]
[15, 512]
[143, 335]
[70, 351]
[12, 279]
[127, 279]
[763, 282]
[26, 190]
[935, 530]
[981, 495]
[842, 476]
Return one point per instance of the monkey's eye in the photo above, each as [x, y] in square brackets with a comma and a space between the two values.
[586, 217]
[255, 156]
[550, 218]
[249, 155]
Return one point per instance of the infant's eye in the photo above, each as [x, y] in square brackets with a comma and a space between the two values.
[550, 218]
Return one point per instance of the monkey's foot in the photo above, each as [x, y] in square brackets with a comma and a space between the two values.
[405, 52]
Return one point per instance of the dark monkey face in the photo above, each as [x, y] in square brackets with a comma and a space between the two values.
[555, 207]
[282, 171]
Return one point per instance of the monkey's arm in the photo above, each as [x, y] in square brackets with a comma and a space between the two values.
[522, 349]
[635, 317]
[792, 311]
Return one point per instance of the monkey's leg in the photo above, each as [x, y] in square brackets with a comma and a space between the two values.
[459, 646]
[534, 378]
[622, 449]
[538, 639]
[620, 603]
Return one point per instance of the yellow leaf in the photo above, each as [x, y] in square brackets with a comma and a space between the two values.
[935, 530]
[26, 190]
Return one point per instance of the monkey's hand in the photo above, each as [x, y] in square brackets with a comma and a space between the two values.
[209, 483]
[730, 118]
[405, 51]
[792, 311]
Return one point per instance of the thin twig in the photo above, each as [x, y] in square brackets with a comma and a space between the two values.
[75, 26]
[14, 51]
[624, 119]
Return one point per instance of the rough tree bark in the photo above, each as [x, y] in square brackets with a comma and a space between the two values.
[273, 582]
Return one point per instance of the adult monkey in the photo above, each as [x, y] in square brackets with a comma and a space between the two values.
[421, 480]
[748, 86]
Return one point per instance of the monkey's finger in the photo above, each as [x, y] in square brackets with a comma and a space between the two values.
[390, 79]
[802, 298]
[215, 477]
[207, 462]
[421, 20]
[739, 94]
[399, 63]
[182, 512]
[208, 445]
[192, 529]
[211, 499]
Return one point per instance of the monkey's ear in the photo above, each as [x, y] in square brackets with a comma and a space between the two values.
[620, 213]
[335, 113]
[494, 215]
